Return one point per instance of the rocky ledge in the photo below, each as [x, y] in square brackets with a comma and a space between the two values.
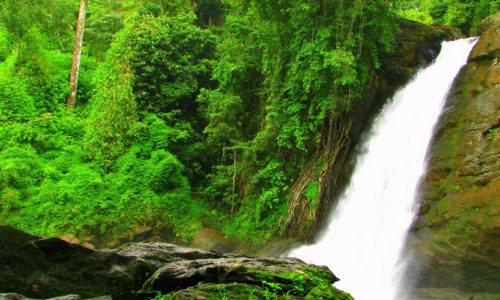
[39, 267]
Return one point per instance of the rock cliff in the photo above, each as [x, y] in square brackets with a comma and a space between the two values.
[457, 235]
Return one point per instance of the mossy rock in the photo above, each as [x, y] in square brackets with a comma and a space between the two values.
[283, 276]
[253, 292]
[327, 292]
[222, 291]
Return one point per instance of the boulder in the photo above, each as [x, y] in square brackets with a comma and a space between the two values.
[141, 233]
[417, 46]
[457, 235]
[39, 267]
[183, 274]
[491, 22]
[70, 239]
[213, 240]
[138, 233]
[86, 242]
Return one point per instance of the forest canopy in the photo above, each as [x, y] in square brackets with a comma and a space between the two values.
[189, 114]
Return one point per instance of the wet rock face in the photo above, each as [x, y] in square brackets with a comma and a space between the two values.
[458, 232]
[38, 267]
[417, 45]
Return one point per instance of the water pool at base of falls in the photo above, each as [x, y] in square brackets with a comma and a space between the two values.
[367, 230]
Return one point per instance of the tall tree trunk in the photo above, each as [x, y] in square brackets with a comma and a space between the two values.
[75, 66]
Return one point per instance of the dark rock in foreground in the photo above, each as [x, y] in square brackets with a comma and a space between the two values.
[39, 267]
[14, 296]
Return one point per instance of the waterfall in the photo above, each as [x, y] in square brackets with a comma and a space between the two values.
[366, 232]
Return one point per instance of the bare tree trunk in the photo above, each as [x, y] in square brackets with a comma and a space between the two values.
[75, 66]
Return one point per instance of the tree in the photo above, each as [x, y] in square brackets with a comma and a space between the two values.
[75, 66]
[18, 17]
[156, 64]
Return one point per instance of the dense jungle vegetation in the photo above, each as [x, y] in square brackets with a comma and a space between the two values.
[189, 114]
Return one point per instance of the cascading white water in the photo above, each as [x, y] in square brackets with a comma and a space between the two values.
[367, 230]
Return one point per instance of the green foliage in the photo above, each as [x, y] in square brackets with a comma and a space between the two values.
[59, 23]
[148, 184]
[49, 187]
[36, 160]
[102, 168]
[172, 8]
[114, 107]
[464, 14]
[209, 12]
[158, 64]
[18, 19]
[273, 181]
[171, 62]
[311, 193]
[272, 285]
[45, 132]
[492, 133]
[44, 75]
[287, 70]
[226, 114]
[327, 292]
[53, 18]
[159, 114]
[416, 15]
[15, 103]
[220, 187]
[99, 33]
[4, 44]
[438, 10]
[169, 110]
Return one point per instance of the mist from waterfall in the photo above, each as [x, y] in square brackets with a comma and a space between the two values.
[367, 230]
